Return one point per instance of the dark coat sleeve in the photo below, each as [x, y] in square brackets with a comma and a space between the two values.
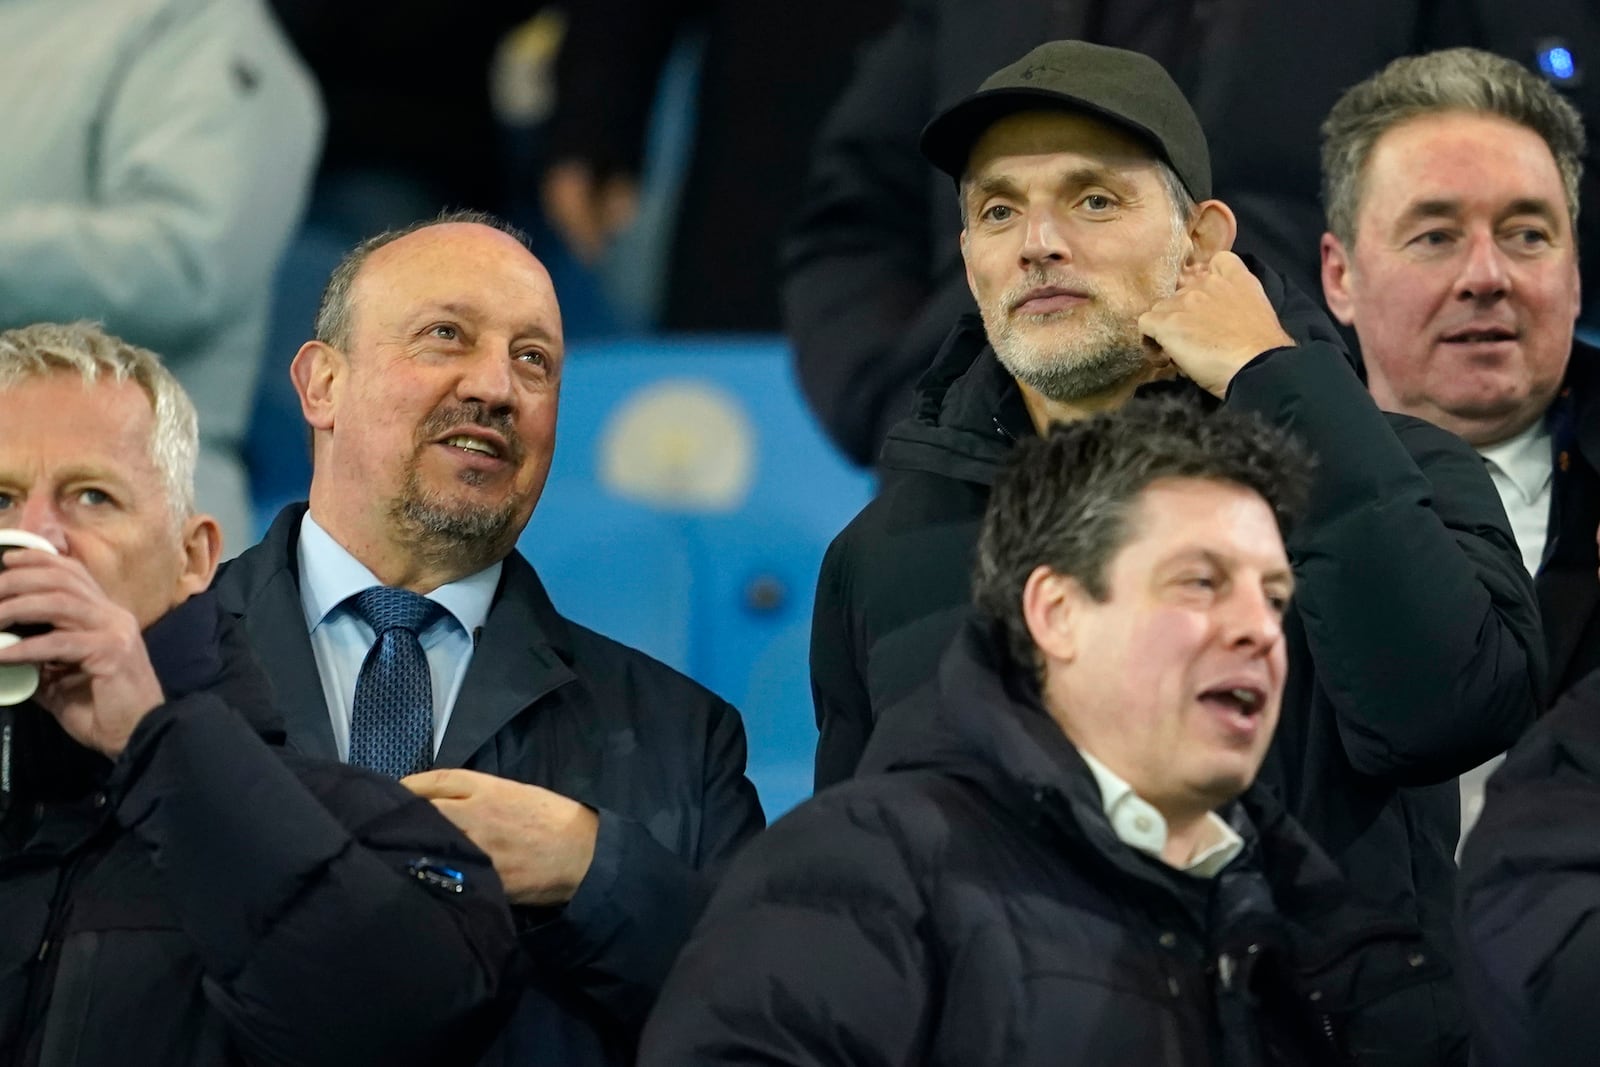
[861, 304]
[792, 967]
[838, 692]
[615, 940]
[319, 945]
[1530, 880]
[1421, 618]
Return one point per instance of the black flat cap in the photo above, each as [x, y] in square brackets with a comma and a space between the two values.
[1126, 88]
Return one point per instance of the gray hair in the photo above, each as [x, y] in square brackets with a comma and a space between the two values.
[1066, 500]
[84, 348]
[332, 325]
[1456, 79]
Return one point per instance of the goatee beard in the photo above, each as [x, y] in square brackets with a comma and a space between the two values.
[1105, 353]
[461, 535]
[1105, 350]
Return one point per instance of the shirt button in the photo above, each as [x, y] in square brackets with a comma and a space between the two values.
[1142, 824]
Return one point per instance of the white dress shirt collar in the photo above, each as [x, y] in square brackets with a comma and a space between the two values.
[1524, 459]
[1523, 475]
[330, 575]
[1139, 825]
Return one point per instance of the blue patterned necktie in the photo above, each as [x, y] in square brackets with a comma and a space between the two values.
[391, 726]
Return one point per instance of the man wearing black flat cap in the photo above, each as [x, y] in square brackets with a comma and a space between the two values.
[1101, 266]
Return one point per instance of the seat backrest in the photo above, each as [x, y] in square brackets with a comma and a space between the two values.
[711, 438]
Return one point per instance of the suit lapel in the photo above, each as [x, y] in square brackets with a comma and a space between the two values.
[1567, 602]
[262, 589]
[1569, 594]
[521, 658]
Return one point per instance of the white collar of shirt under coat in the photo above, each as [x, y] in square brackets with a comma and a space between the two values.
[1523, 474]
[1139, 825]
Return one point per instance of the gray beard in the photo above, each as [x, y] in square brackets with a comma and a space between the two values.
[1109, 355]
[1070, 374]
[463, 537]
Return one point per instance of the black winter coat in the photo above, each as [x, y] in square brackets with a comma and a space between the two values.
[208, 899]
[1530, 880]
[872, 273]
[972, 905]
[1414, 645]
[550, 703]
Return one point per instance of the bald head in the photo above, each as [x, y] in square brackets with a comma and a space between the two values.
[334, 311]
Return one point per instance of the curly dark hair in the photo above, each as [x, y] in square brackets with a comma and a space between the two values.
[1064, 499]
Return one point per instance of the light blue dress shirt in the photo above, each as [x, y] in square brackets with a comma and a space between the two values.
[330, 575]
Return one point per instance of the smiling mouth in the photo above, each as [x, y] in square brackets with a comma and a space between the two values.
[472, 444]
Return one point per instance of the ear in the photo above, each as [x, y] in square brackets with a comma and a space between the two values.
[1050, 607]
[972, 287]
[1336, 279]
[1212, 229]
[317, 372]
[202, 551]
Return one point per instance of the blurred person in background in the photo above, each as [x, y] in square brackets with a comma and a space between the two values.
[872, 277]
[402, 146]
[157, 158]
[769, 71]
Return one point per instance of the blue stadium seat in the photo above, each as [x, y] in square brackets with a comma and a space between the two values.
[753, 535]
[616, 567]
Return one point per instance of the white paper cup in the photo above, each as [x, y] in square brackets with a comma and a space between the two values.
[18, 681]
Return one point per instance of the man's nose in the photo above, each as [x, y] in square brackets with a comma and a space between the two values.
[40, 515]
[1044, 240]
[488, 378]
[1253, 618]
[1483, 272]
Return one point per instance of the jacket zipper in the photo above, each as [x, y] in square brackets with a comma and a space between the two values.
[42, 978]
